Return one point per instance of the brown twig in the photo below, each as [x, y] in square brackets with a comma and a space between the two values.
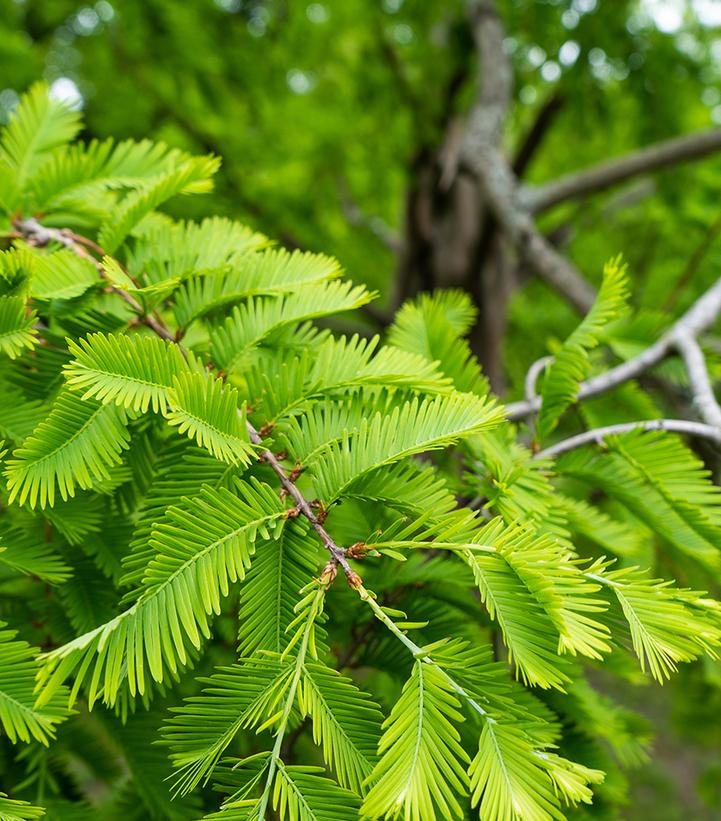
[40, 235]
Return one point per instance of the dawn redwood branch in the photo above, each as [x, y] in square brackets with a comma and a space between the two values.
[703, 395]
[609, 173]
[597, 435]
[418, 653]
[696, 320]
[41, 235]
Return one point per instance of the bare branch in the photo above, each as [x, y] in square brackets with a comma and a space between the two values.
[703, 395]
[482, 154]
[696, 320]
[532, 375]
[606, 174]
[530, 145]
[529, 386]
[597, 435]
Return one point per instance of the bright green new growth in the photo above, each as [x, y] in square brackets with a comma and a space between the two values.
[195, 475]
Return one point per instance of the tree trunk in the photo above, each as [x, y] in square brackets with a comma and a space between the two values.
[450, 241]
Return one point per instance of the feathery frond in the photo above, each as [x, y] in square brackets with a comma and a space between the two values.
[270, 592]
[234, 698]
[667, 624]
[280, 387]
[20, 717]
[571, 363]
[345, 722]
[16, 326]
[39, 125]
[207, 411]
[508, 779]
[75, 446]
[19, 415]
[433, 326]
[74, 173]
[412, 428]
[193, 175]
[256, 319]
[529, 631]
[178, 250]
[662, 483]
[200, 548]
[275, 271]
[16, 810]
[422, 769]
[134, 372]
[26, 553]
[301, 794]
[60, 275]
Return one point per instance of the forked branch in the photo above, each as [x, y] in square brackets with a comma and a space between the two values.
[699, 317]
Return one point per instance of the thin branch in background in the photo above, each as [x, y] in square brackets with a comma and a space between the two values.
[597, 435]
[606, 174]
[536, 369]
[703, 395]
[682, 338]
[534, 138]
[697, 319]
[529, 386]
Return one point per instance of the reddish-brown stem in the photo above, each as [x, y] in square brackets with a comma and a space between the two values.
[39, 234]
[337, 553]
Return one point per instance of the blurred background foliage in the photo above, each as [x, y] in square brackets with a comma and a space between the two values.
[323, 111]
[324, 114]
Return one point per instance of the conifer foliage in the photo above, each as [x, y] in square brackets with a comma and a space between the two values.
[254, 568]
